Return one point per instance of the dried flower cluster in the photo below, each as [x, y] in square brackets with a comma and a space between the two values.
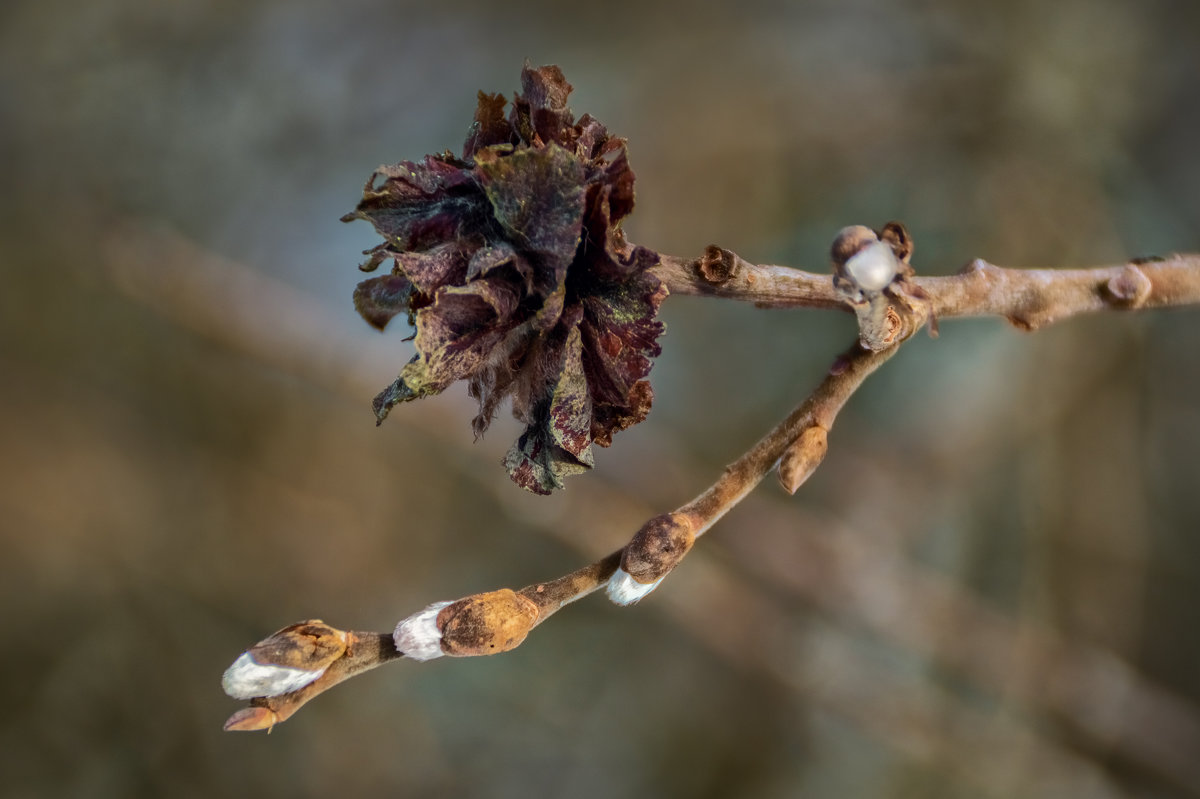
[511, 263]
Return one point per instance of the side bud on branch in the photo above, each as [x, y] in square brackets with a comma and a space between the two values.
[872, 275]
[651, 554]
[481, 624]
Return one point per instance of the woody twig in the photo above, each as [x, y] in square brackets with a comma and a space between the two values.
[872, 278]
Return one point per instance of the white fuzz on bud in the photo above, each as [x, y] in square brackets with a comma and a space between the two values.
[247, 678]
[624, 590]
[418, 636]
[873, 267]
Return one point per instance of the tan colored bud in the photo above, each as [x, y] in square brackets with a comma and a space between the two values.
[803, 457]
[311, 644]
[657, 547]
[284, 661]
[486, 624]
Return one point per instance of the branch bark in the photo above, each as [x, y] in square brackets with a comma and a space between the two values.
[496, 621]
[1028, 298]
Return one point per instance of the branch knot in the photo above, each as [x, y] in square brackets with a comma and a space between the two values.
[717, 265]
[872, 275]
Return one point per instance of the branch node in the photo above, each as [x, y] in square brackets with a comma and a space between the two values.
[717, 265]
[1129, 289]
[803, 457]
[872, 275]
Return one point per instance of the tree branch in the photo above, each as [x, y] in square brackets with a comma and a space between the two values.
[845, 576]
[496, 621]
[1028, 298]
[873, 279]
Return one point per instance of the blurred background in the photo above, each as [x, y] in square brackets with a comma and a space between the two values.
[990, 589]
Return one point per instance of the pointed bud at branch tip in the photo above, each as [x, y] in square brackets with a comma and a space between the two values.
[251, 719]
[418, 636]
[623, 589]
[285, 661]
[803, 457]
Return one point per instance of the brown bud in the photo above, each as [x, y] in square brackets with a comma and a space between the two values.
[486, 624]
[896, 236]
[718, 265]
[285, 661]
[311, 645]
[849, 241]
[657, 547]
[803, 457]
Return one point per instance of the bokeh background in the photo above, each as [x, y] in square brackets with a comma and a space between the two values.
[990, 589]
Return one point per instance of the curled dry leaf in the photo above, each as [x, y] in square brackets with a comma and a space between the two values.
[511, 264]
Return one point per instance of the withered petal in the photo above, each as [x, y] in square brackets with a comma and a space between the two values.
[620, 335]
[537, 195]
[490, 127]
[608, 420]
[421, 205]
[435, 267]
[379, 299]
[540, 113]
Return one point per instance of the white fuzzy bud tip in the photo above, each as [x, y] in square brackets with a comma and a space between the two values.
[247, 678]
[873, 267]
[418, 636]
[624, 590]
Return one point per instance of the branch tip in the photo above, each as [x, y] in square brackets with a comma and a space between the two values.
[251, 719]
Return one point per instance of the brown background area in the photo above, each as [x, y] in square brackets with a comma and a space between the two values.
[1002, 541]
